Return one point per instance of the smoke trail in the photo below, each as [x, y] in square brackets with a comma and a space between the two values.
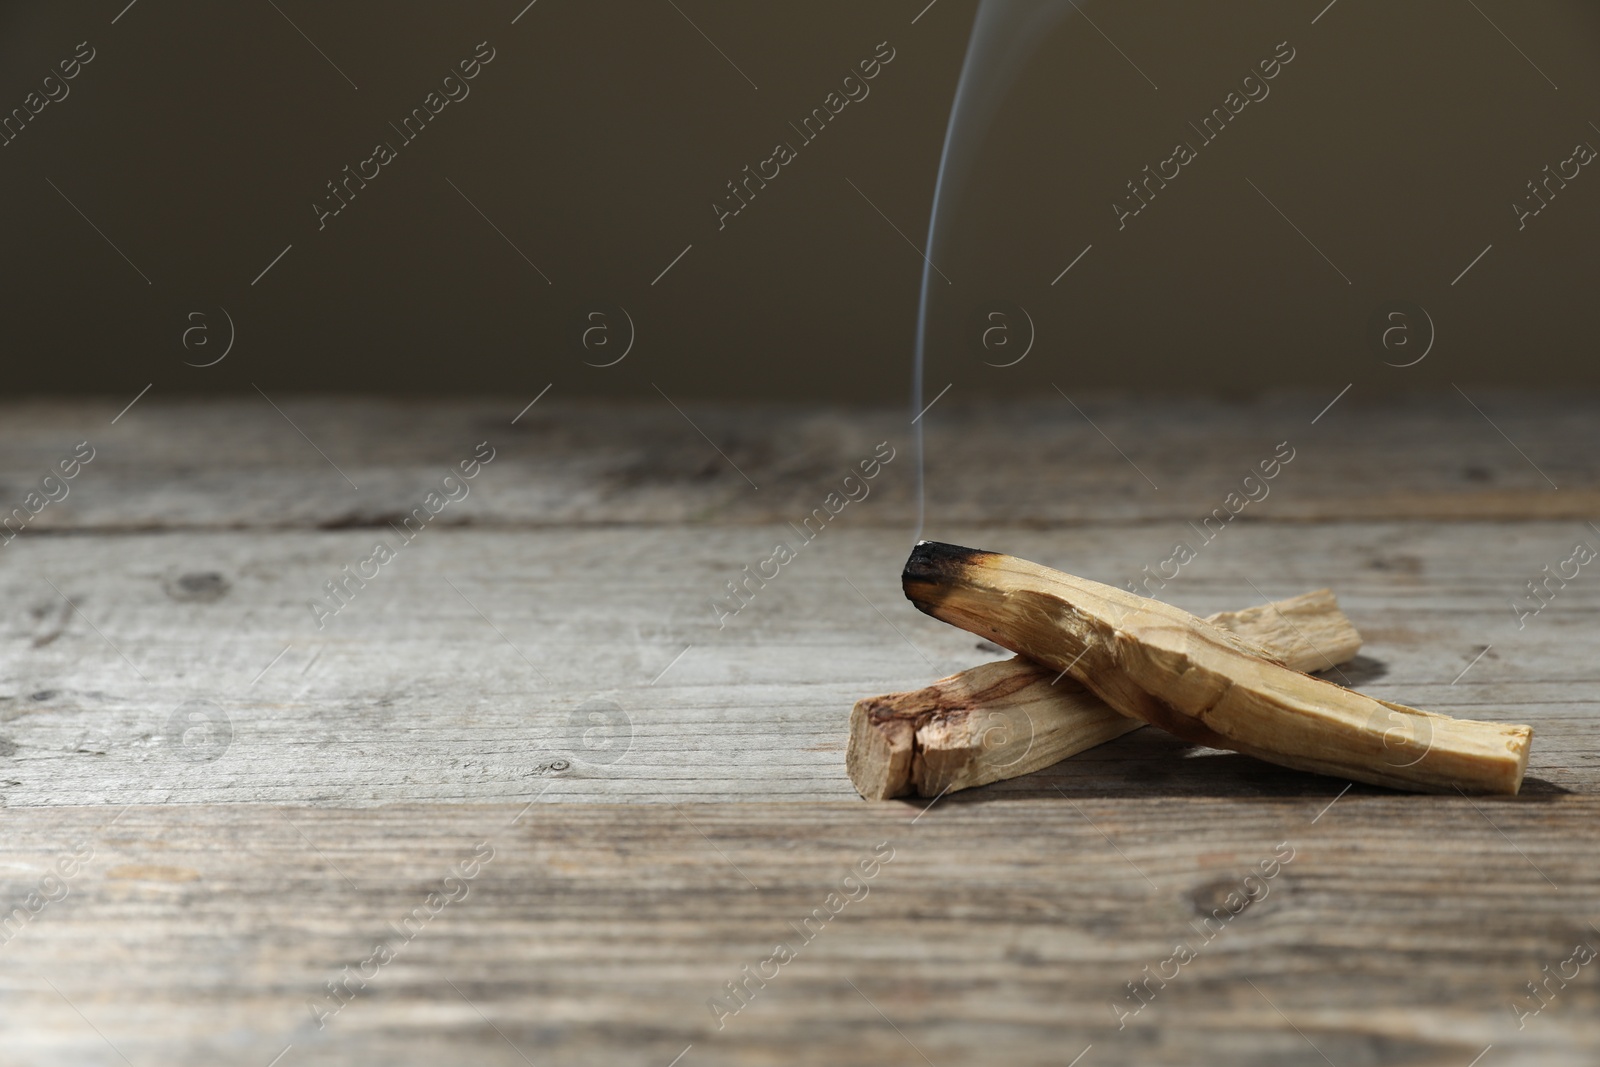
[1004, 33]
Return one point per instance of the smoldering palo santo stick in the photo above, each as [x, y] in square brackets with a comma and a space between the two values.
[1010, 718]
[1157, 663]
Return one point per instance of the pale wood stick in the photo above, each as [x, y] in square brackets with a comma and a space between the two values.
[1009, 718]
[1157, 663]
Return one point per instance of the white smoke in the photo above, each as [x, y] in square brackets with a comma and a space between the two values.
[1004, 36]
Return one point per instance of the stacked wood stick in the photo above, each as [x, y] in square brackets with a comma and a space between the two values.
[1012, 717]
[1096, 662]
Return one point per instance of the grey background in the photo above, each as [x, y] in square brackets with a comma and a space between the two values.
[596, 141]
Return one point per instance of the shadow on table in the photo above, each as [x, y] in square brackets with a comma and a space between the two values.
[1152, 763]
[1358, 672]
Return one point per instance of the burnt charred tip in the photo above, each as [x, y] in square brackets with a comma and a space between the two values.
[936, 564]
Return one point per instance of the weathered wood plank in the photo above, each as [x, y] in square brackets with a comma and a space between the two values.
[1392, 930]
[366, 759]
[239, 463]
[410, 693]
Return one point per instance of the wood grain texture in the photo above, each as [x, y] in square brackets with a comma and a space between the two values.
[411, 694]
[1401, 932]
[239, 463]
[360, 764]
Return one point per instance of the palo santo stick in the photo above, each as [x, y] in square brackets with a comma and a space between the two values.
[1005, 719]
[1157, 663]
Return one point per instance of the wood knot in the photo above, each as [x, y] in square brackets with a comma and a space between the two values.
[198, 587]
[1226, 898]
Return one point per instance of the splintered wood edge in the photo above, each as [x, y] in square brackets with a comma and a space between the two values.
[1003, 733]
[1204, 684]
[1009, 718]
[878, 757]
[881, 752]
[1308, 632]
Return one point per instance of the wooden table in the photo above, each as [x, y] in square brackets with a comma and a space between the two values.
[526, 760]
